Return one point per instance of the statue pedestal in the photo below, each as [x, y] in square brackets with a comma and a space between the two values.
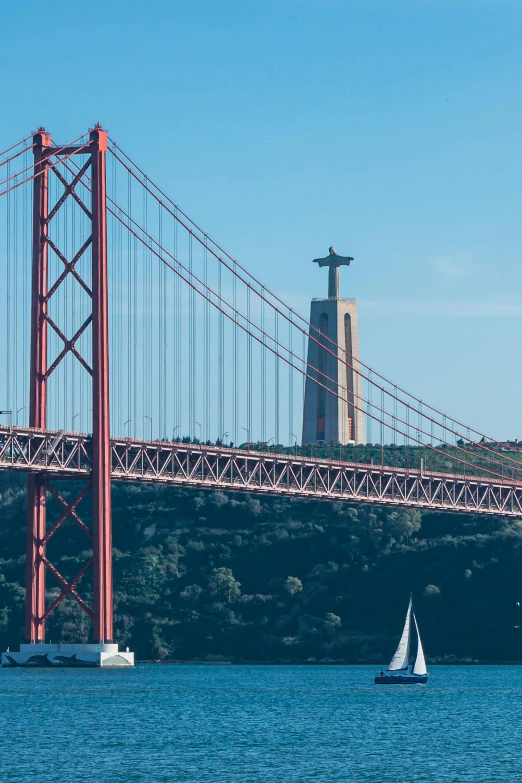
[330, 414]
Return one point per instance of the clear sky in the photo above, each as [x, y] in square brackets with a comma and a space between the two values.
[391, 129]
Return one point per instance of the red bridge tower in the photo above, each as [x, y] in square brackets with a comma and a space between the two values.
[47, 160]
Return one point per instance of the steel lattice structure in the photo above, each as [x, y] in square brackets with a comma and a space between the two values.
[46, 163]
[69, 455]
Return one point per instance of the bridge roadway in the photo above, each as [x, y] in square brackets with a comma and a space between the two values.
[66, 454]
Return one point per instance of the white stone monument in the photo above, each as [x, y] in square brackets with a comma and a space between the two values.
[333, 407]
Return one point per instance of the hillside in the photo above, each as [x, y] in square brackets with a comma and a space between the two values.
[200, 574]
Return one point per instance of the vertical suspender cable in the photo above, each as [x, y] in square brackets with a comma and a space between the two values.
[135, 423]
[303, 386]
[331, 399]
[192, 345]
[130, 368]
[8, 295]
[234, 369]
[194, 351]
[249, 371]
[382, 419]
[144, 358]
[276, 383]
[55, 378]
[84, 418]
[147, 424]
[370, 407]
[178, 320]
[119, 314]
[263, 371]
[68, 367]
[394, 413]
[152, 314]
[15, 297]
[164, 387]
[290, 382]
[162, 333]
[221, 358]
[407, 438]
[432, 442]
[206, 423]
[25, 289]
[76, 424]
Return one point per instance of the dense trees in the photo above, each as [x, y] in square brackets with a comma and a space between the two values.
[221, 582]
[293, 585]
[207, 575]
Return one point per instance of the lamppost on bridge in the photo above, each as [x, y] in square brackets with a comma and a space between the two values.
[268, 443]
[125, 424]
[149, 418]
[17, 412]
[199, 425]
[174, 430]
[72, 420]
[223, 436]
[248, 436]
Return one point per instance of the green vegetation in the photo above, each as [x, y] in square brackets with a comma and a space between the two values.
[204, 575]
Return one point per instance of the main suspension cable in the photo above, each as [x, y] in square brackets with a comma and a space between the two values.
[385, 413]
[231, 317]
[279, 300]
[310, 327]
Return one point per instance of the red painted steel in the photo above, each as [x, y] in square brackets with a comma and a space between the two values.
[36, 499]
[101, 444]
[38, 535]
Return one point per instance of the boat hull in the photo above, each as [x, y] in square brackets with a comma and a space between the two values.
[401, 679]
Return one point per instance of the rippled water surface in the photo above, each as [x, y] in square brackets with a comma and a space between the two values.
[259, 723]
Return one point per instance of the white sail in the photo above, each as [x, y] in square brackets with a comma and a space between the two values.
[400, 660]
[419, 667]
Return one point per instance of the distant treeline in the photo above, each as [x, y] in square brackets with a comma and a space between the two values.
[463, 458]
[207, 574]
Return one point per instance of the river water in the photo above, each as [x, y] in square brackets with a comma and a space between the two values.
[247, 724]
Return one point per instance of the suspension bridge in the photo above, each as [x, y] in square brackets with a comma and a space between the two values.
[206, 378]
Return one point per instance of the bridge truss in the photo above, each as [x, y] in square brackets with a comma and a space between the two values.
[69, 455]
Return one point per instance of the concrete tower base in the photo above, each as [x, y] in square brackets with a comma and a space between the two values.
[327, 417]
[74, 656]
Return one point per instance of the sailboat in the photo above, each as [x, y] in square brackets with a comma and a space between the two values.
[397, 672]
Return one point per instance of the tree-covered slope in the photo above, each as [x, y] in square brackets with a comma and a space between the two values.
[200, 574]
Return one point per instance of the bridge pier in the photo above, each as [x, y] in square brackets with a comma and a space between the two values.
[67, 656]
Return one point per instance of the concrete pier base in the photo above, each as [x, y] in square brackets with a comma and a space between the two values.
[74, 656]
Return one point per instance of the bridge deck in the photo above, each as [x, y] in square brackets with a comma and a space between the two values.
[66, 454]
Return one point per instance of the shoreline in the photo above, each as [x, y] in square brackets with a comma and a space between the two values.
[195, 662]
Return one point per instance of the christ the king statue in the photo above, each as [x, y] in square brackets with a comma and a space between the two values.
[333, 261]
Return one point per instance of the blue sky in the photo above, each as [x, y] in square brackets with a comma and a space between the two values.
[389, 128]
